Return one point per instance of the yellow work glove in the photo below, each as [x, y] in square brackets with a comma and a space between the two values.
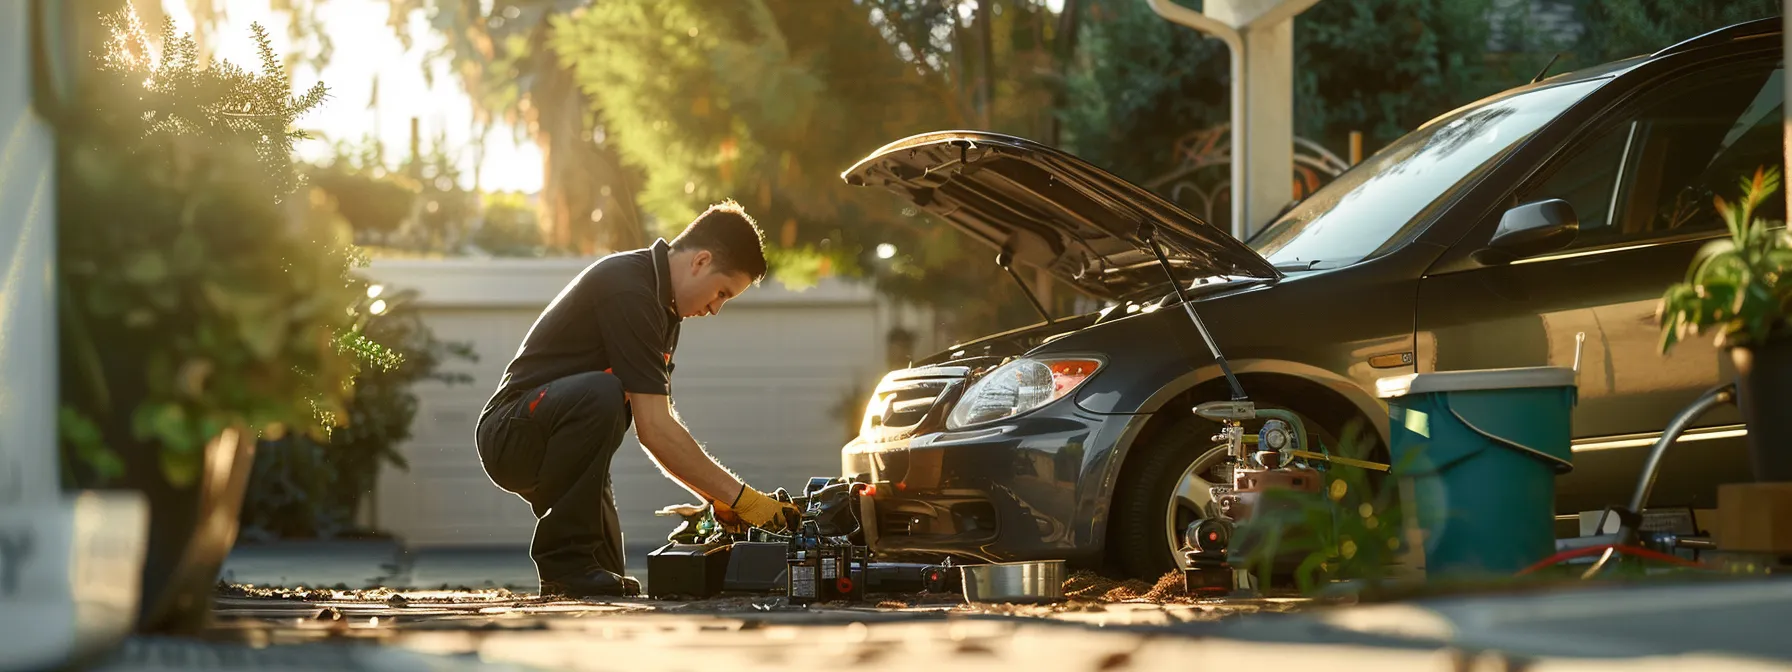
[728, 519]
[758, 510]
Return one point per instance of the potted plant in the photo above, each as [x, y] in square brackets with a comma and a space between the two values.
[1739, 291]
[197, 312]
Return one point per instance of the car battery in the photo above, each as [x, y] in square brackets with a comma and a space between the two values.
[908, 577]
[825, 571]
[757, 567]
[687, 570]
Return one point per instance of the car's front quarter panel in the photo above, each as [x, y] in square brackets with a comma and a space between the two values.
[1014, 489]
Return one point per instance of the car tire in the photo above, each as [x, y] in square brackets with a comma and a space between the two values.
[1138, 546]
[1137, 543]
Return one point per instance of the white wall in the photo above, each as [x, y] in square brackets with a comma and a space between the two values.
[760, 385]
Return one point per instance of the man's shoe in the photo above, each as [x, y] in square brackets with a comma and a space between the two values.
[595, 583]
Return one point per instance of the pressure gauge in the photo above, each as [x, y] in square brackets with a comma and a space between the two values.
[1275, 435]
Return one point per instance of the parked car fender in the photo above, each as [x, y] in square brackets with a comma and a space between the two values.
[1343, 388]
[1304, 387]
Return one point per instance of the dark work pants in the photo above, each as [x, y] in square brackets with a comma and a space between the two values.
[553, 447]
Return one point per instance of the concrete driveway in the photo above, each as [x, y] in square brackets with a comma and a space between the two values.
[1724, 625]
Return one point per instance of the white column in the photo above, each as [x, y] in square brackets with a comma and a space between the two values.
[1259, 34]
[1269, 137]
[69, 564]
[28, 372]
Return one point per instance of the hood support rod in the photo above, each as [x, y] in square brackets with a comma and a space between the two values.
[1149, 234]
[1005, 259]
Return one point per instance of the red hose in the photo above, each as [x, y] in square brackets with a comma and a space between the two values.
[1628, 550]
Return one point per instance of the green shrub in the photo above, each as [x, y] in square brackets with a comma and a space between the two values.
[509, 228]
[301, 487]
[1349, 530]
[191, 300]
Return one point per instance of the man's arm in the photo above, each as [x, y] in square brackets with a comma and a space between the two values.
[677, 454]
[634, 335]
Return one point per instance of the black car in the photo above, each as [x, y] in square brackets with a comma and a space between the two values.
[1074, 438]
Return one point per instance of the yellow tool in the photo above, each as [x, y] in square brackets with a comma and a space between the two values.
[1339, 460]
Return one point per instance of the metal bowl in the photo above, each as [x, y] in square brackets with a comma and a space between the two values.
[1014, 582]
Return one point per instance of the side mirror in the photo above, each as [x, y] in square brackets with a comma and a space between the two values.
[1532, 228]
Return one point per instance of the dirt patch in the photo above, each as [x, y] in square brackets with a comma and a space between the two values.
[389, 596]
[1169, 588]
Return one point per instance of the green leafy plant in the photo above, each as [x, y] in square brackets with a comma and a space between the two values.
[1739, 288]
[192, 299]
[1350, 529]
[376, 202]
[509, 227]
[304, 488]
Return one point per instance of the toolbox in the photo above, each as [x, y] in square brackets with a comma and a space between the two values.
[688, 570]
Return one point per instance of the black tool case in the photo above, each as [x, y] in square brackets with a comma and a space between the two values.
[687, 570]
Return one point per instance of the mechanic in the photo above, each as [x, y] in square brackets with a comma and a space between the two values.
[599, 357]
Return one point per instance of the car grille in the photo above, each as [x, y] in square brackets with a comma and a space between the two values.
[905, 402]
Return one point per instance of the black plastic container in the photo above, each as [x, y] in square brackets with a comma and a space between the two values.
[687, 570]
[821, 570]
[1764, 388]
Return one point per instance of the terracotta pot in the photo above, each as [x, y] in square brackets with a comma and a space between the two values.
[191, 531]
[1764, 393]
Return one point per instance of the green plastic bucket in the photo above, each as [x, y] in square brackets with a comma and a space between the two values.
[1477, 454]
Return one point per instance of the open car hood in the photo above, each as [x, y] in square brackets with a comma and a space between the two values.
[1055, 211]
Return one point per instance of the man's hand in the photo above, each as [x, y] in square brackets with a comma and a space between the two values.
[763, 512]
[730, 520]
[680, 510]
[677, 454]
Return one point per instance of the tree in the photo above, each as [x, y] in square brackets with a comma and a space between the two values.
[1137, 84]
[1614, 29]
[1383, 67]
[499, 49]
[767, 101]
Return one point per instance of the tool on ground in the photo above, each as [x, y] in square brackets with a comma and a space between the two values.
[1280, 461]
[822, 561]
[825, 557]
[1033, 582]
[1273, 458]
[1633, 535]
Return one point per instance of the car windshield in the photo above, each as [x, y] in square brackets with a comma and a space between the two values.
[1354, 215]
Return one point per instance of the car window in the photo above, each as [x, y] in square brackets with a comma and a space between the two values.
[1375, 202]
[1653, 173]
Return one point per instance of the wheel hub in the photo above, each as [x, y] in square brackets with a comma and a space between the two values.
[1192, 498]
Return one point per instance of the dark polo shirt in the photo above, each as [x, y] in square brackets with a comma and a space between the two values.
[617, 316]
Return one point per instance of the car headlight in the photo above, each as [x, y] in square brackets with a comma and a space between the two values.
[1019, 386]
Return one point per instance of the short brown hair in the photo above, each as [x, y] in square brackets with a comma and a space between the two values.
[729, 234]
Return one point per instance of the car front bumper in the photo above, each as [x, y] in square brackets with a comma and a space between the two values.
[1034, 487]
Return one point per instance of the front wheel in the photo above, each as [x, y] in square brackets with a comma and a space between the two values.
[1161, 490]
[1164, 486]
